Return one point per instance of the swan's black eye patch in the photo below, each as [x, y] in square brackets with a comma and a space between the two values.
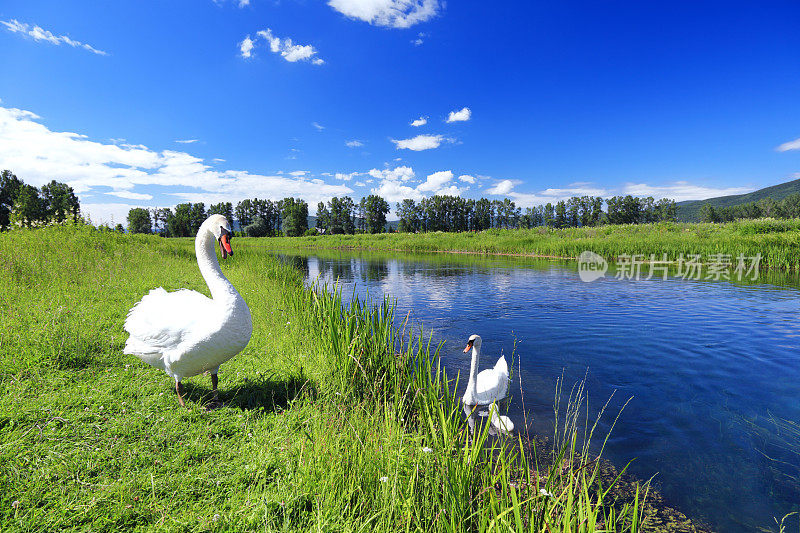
[224, 231]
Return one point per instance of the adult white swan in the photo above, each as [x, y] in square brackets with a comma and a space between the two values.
[491, 384]
[185, 333]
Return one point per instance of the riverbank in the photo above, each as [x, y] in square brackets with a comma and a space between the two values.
[775, 240]
[329, 421]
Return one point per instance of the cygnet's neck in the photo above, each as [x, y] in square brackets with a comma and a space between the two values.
[221, 289]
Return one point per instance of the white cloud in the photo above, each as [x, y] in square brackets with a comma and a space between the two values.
[466, 178]
[285, 47]
[109, 213]
[218, 160]
[391, 13]
[460, 116]
[298, 173]
[420, 142]
[246, 47]
[37, 155]
[506, 188]
[393, 190]
[359, 184]
[355, 143]
[501, 188]
[421, 121]
[791, 145]
[436, 181]
[345, 177]
[244, 3]
[419, 40]
[187, 141]
[319, 127]
[40, 34]
[402, 173]
[681, 190]
[131, 195]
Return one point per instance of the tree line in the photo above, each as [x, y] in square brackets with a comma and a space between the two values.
[27, 206]
[789, 207]
[266, 218]
[453, 213]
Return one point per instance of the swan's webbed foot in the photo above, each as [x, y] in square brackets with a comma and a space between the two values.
[179, 390]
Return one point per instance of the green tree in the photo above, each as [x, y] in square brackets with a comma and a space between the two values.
[9, 190]
[139, 221]
[709, 214]
[29, 208]
[197, 217]
[60, 202]
[375, 211]
[323, 217]
[180, 223]
[561, 214]
[161, 217]
[223, 208]
[295, 216]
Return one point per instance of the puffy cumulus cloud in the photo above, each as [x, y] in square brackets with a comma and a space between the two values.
[681, 190]
[466, 178]
[355, 143]
[420, 142]
[791, 145]
[287, 49]
[421, 121]
[501, 188]
[401, 173]
[39, 34]
[390, 13]
[37, 154]
[460, 116]
[393, 189]
[436, 181]
[246, 47]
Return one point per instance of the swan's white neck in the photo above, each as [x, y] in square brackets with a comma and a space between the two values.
[221, 289]
[472, 384]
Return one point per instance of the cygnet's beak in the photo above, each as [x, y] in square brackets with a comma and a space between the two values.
[469, 347]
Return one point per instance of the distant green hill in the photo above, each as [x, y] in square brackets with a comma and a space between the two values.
[689, 211]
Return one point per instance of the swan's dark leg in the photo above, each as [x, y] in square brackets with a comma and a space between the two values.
[214, 383]
[179, 390]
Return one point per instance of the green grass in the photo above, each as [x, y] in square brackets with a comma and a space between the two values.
[778, 241]
[327, 414]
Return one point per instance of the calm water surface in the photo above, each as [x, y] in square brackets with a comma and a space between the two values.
[712, 367]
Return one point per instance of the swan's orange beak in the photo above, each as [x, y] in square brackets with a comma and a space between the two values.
[469, 347]
[225, 245]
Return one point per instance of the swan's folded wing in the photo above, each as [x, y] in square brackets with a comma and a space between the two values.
[162, 319]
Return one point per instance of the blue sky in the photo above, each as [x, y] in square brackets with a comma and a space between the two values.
[533, 100]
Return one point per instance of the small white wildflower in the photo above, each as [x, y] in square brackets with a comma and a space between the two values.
[16, 504]
[384, 479]
[427, 450]
[545, 492]
[216, 517]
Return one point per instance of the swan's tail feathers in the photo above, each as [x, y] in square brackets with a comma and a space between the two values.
[501, 366]
[501, 423]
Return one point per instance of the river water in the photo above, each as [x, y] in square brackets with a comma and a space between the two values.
[712, 367]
